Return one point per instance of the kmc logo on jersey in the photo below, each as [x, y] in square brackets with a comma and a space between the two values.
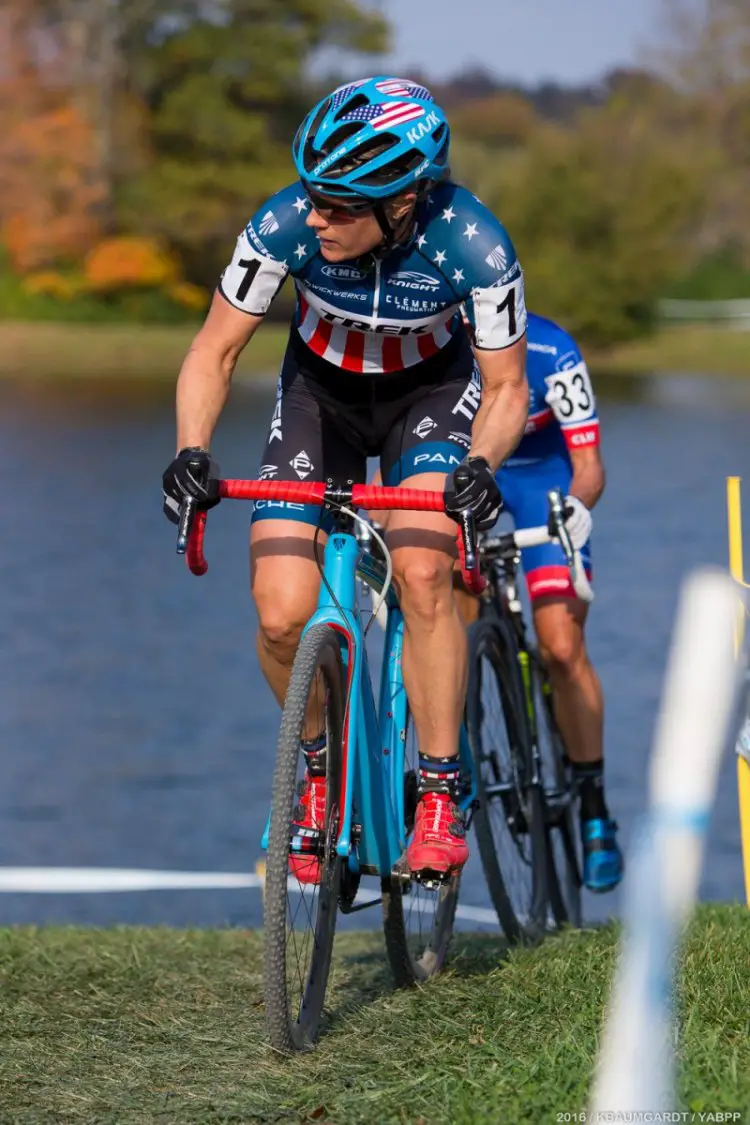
[343, 273]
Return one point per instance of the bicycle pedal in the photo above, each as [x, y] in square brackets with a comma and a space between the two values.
[432, 880]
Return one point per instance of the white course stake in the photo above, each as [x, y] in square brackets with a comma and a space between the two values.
[698, 711]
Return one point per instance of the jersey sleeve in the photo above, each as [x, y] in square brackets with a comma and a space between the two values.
[272, 244]
[487, 267]
[571, 397]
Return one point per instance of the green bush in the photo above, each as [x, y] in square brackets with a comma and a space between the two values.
[720, 277]
[138, 307]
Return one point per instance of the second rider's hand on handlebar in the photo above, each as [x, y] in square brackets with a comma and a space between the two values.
[472, 490]
[193, 474]
[578, 522]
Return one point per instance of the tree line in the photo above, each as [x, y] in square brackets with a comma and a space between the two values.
[136, 137]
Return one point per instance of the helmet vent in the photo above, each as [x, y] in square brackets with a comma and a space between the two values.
[393, 170]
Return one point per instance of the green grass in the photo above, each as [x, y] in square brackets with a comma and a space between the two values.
[122, 351]
[696, 349]
[156, 352]
[136, 1025]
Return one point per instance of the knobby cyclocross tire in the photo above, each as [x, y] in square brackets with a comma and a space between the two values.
[503, 759]
[564, 870]
[416, 942]
[293, 1021]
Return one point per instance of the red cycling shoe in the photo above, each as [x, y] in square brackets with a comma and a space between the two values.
[308, 828]
[439, 839]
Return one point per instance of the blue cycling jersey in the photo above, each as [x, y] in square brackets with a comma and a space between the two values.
[562, 407]
[386, 311]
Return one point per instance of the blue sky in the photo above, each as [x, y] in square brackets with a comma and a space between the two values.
[525, 41]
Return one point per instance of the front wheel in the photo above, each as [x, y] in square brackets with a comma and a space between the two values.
[300, 917]
[559, 806]
[509, 820]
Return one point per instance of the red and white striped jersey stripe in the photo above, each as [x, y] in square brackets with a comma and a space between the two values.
[370, 352]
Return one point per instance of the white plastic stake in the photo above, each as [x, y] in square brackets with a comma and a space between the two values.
[698, 709]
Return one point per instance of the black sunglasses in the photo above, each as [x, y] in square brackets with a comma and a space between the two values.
[327, 207]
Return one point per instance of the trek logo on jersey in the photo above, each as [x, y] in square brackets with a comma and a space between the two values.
[268, 224]
[368, 326]
[425, 427]
[468, 404]
[343, 273]
[497, 258]
[276, 434]
[423, 129]
[302, 465]
[412, 279]
[253, 237]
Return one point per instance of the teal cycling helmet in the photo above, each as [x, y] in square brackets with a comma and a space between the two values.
[373, 139]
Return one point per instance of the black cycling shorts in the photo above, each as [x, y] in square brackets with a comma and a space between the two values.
[328, 422]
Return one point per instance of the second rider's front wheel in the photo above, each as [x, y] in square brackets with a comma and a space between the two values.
[564, 870]
[509, 819]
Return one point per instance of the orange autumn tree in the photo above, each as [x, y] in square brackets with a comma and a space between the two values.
[51, 191]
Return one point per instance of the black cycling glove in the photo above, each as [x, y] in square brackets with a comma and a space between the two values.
[472, 488]
[192, 473]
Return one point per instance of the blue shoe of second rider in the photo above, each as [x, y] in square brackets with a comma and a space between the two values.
[602, 858]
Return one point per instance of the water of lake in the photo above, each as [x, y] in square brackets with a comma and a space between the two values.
[111, 758]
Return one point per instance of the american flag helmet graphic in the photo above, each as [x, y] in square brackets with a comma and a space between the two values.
[373, 138]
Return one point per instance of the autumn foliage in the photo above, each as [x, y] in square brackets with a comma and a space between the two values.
[130, 262]
[136, 138]
[51, 190]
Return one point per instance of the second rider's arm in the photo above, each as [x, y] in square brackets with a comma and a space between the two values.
[589, 476]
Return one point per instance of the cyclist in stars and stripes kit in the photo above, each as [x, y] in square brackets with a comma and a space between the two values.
[383, 249]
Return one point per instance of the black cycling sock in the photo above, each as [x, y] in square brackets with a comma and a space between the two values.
[439, 775]
[589, 779]
[315, 755]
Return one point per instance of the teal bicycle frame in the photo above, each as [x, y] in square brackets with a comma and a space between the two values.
[374, 739]
[372, 833]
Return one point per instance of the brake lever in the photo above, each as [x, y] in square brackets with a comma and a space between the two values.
[188, 509]
[469, 539]
[556, 525]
